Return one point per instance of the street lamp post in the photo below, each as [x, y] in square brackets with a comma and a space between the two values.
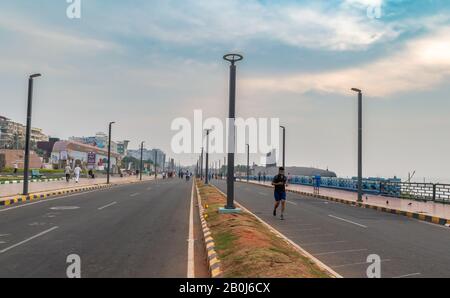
[360, 192]
[284, 146]
[156, 172]
[196, 170]
[232, 58]
[142, 163]
[28, 133]
[109, 153]
[207, 156]
[201, 165]
[248, 162]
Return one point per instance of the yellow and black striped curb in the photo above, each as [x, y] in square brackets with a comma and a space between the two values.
[47, 194]
[52, 193]
[414, 215]
[211, 254]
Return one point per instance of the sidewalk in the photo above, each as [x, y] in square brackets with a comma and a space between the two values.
[429, 209]
[8, 190]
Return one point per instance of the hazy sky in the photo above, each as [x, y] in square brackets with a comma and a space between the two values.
[143, 63]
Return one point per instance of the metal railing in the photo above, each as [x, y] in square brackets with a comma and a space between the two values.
[434, 192]
[417, 191]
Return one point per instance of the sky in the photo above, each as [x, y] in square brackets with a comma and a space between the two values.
[144, 63]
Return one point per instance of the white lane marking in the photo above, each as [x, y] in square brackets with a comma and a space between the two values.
[340, 252]
[28, 239]
[4, 235]
[407, 275]
[306, 230]
[263, 194]
[135, 194]
[348, 221]
[149, 188]
[190, 264]
[65, 208]
[106, 206]
[356, 264]
[2, 242]
[319, 235]
[289, 202]
[322, 243]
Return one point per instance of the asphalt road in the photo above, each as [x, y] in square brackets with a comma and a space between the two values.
[138, 230]
[343, 237]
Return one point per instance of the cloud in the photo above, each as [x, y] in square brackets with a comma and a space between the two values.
[315, 26]
[419, 65]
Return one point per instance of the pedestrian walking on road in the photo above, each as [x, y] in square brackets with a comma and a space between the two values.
[67, 171]
[16, 167]
[77, 172]
[279, 182]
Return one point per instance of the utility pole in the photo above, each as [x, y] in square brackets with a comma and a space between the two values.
[156, 172]
[28, 133]
[109, 153]
[360, 192]
[248, 162]
[232, 58]
[207, 156]
[142, 162]
[284, 146]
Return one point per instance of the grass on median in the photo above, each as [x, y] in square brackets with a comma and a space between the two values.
[247, 248]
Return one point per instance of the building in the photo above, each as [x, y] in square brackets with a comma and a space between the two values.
[100, 140]
[91, 157]
[12, 135]
[148, 155]
[13, 156]
[46, 148]
[122, 147]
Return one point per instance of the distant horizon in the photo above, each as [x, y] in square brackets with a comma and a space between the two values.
[145, 65]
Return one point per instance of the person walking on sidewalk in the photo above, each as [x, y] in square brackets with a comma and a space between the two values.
[77, 172]
[16, 167]
[67, 171]
[279, 182]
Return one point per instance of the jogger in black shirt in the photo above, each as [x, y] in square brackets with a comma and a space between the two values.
[279, 181]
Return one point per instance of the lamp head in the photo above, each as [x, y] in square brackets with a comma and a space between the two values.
[233, 58]
[36, 75]
[356, 90]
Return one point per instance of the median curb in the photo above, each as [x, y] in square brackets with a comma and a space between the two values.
[214, 264]
[413, 215]
[7, 201]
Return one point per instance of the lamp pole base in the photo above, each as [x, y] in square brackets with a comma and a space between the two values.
[224, 210]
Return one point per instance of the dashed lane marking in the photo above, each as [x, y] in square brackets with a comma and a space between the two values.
[340, 252]
[408, 275]
[106, 206]
[27, 240]
[322, 243]
[348, 221]
[356, 264]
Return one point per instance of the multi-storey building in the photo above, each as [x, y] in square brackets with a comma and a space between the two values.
[12, 135]
[100, 140]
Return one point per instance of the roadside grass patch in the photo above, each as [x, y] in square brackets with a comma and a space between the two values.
[247, 248]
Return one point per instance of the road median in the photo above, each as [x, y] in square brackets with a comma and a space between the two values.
[245, 247]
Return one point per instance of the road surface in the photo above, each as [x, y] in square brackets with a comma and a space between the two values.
[343, 237]
[138, 230]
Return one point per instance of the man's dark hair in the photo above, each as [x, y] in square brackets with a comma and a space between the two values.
[281, 169]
